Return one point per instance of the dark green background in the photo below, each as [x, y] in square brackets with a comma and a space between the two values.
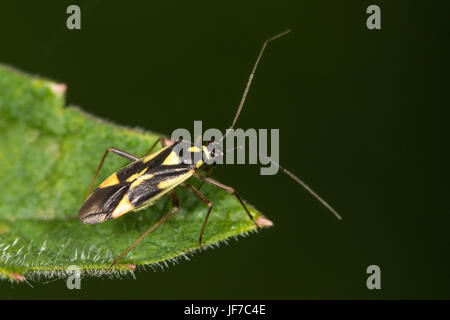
[363, 118]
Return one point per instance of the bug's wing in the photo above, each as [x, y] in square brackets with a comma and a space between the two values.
[148, 189]
[102, 203]
[110, 200]
[135, 186]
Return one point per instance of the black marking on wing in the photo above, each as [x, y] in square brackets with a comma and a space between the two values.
[101, 203]
[133, 168]
[137, 166]
[149, 188]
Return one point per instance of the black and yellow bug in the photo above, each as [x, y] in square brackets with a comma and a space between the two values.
[144, 181]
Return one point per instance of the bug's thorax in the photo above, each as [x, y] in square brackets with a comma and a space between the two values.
[196, 156]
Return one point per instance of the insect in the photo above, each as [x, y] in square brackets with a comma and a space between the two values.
[146, 179]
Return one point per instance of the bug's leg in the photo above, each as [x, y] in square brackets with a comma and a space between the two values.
[207, 174]
[230, 190]
[119, 152]
[160, 140]
[202, 197]
[175, 205]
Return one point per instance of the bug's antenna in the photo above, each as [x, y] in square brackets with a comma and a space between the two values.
[298, 180]
[311, 191]
[250, 79]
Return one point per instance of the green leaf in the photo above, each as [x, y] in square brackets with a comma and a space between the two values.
[48, 154]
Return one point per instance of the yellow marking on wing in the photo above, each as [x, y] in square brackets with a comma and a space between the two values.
[140, 180]
[172, 159]
[112, 180]
[123, 207]
[206, 153]
[151, 156]
[199, 163]
[171, 183]
[194, 149]
[136, 175]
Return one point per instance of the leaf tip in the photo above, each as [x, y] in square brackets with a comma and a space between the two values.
[263, 222]
[58, 88]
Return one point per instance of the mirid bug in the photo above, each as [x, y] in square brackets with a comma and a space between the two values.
[145, 180]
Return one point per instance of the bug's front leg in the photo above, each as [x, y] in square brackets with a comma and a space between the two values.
[230, 190]
[208, 173]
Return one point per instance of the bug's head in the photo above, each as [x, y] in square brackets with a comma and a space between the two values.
[212, 153]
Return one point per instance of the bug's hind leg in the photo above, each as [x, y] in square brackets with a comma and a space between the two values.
[202, 197]
[230, 190]
[175, 206]
[116, 151]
